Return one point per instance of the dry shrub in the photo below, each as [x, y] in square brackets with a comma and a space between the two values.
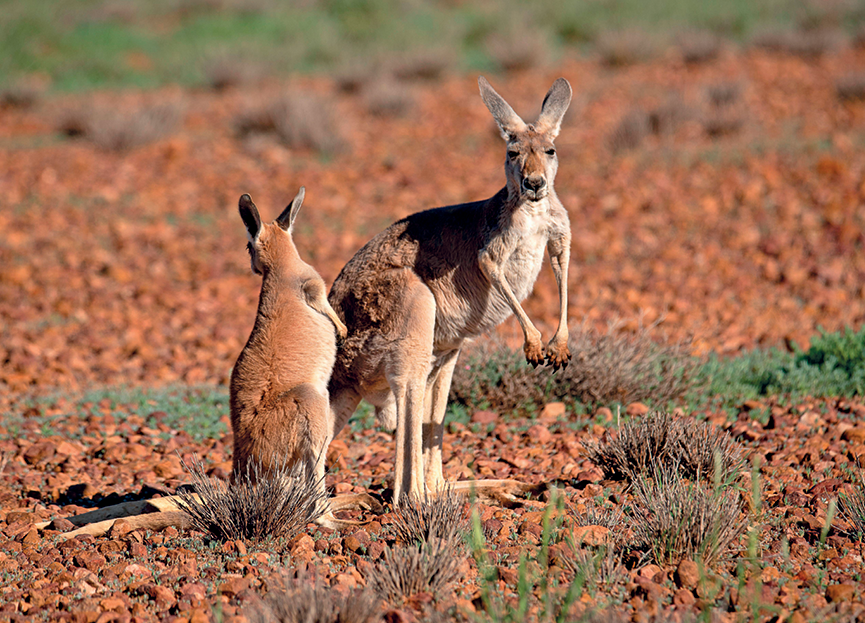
[622, 367]
[23, 93]
[720, 122]
[620, 48]
[517, 52]
[702, 452]
[851, 86]
[699, 46]
[385, 97]
[606, 368]
[407, 571]
[225, 72]
[596, 516]
[308, 601]
[695, 449]
[115, 129]
[639, 445]
[601, 568]
[630, 132]
[443, 517]
[429, 64]
[803, 43]
[666, 118]
[302, 121]
[354, 75]
[723, 94]
[852, 507]
[676, 520]
[258, 505]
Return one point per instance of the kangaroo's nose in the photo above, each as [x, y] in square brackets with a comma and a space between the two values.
[534, 183]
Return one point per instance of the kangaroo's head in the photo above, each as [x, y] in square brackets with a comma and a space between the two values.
[270, 244]
[531, 163]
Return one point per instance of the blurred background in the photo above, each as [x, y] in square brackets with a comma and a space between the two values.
[711, 163]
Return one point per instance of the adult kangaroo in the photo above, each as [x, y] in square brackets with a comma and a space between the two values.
[417, 291]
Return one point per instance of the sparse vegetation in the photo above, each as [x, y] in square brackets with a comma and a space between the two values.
[851, 86]
[386, 97]
[442, 517]
[625, 47]
[258, 505]
[118, 130]
[607, 368]
[852, 506]
[630, 132]
[305, 599]
[694, 449]
[301, 121]
[677, 520]
[407, 571]
[699, 46]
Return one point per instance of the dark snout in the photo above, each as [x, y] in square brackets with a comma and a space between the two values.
[534, 186]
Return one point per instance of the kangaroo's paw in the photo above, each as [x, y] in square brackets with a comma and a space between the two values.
[534, 351]
[558, 354]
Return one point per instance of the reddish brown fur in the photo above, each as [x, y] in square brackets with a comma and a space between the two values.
[414, 293]
[279, 400]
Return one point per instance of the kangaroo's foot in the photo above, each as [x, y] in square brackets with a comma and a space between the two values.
[507, 493]
[349, 501]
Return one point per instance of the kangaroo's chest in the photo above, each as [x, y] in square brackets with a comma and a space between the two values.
[528, 241]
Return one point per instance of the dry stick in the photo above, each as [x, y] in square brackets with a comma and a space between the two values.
[159, 513]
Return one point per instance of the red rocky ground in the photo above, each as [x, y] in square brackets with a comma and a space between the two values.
[129, 268]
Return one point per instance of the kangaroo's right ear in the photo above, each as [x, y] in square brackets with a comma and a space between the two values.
[249, 214]
[286, 219]
[509, 121]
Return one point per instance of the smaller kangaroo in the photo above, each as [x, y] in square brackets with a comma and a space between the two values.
[280, 410]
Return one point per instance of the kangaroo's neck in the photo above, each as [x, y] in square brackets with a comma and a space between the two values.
[276, 287]
[511, 201]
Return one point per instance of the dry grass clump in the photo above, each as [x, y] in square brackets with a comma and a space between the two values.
[300, 120]
[443, 517]
[666, 118]
[639, 445]
[225, 72]
[385, 97]
[407, 571]
[302, 600]
[601, 568]
[517, 52]
[699, 46]
[620, 48]
[676, 520]
[851, 86]
[702, 452]
[623, 367]
[720, 122]
[428, 65]
[606, 368]
[722, 94]
[630, 132]
[807, 44]
[694, 449]
[258, 505]
[23, 93]
[115, 129]
[852, 507]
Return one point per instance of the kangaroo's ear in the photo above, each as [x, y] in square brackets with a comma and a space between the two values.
[286, 219]
[554, 107]
[509, 121]
[249, 214]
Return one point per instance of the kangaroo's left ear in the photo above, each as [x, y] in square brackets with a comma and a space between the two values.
[249, 214]
[286, 219]
[554, 108]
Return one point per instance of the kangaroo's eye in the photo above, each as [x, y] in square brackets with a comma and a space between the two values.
[513, 155]
[551, 152]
